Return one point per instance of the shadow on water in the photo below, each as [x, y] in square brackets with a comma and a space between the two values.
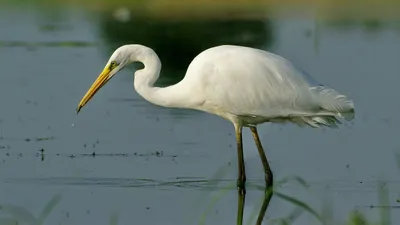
[177, 42]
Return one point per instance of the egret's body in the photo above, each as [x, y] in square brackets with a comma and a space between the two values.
[243, 85]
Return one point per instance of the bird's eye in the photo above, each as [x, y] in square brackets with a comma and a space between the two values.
[113, 64]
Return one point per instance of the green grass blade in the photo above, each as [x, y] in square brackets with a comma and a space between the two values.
[299, 204]
[20, 214]
[48, 208]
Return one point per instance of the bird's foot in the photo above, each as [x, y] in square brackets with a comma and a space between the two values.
[241, 182]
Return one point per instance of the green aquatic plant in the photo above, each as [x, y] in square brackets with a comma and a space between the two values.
[268, 193]
[358, 218]
[355, 217]
[114, 219]
[18, 215]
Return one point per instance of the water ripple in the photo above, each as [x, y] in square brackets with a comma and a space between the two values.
[202, 183]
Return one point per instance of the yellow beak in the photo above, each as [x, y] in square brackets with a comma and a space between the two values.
[98, 83]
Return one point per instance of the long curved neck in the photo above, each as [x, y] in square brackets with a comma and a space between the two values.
[171, 96]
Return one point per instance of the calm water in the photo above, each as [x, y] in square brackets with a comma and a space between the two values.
[124, 158]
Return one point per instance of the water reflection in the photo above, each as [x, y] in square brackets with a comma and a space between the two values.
[14, 214]
[18, 214]
[178, 42]
[241, 203]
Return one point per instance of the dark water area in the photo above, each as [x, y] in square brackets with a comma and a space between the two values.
[123, 160]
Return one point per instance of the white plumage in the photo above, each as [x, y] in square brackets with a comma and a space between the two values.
[252, 86]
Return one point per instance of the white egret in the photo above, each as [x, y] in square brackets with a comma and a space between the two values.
[243, 85]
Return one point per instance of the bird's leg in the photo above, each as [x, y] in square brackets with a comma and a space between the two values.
[242, 174]
[267, 170]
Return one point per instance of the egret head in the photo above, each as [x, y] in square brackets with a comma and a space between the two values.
[118, 60]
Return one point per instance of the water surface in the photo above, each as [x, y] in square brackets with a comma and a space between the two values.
[127, 159]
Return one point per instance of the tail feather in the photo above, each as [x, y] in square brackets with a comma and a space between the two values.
[332, 101]
[333, 105]
[316, 121]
